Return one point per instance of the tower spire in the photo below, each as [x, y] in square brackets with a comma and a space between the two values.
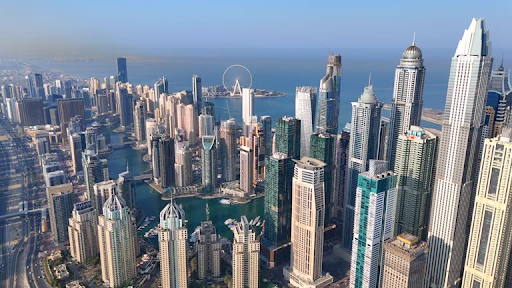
[414, 39]
[127, 169]
[370, 80]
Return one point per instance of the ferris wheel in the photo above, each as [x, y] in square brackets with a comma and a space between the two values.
[235, 78]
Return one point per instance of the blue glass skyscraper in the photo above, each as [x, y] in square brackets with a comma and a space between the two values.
[329, 97]
[122, 72]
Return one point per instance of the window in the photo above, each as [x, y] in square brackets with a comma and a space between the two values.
[484, 238]
[493, 184]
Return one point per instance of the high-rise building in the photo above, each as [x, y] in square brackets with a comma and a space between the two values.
[122, 70]
[490, 245]
[307, 231]
[288, 136]
[76, 149]
[363, 146]
[208, 251]
[30, 87]
[407, 98]
[496, 105]
[83, 232]
[153, 127]
[305, 109]
[183, 166]
[373, 223]
[95, 171]
[278, 198]
[190, 124]
[339, 175]
[329, 97]
[384, 139]
[246, 252]
[172, 239]
[256, 141]
[247, 108]
[322, 148]
[404, 261]
[228, 149]
[197, 92]
[167, 159]
[69, 108]
[55, 178]
[246, 170]
[117, 234]
[125, 106]
[458, 152]
[60, 205]
[161, 87]
[209, 163]
[139, 121]
[39, 86]
[266, 122]
[155, 157]
[206, 125]
[102, 191]
[32, 112]
[415, 170]
[126, 188]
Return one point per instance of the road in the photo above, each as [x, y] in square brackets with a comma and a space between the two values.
[18, 168]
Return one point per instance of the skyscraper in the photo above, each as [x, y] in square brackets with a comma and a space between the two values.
[307, 231]
[256, 141]
[95, 170]
[266, 122]
[363, 146]
[39, 87]
[122, 71]
[499, 91]
[490, 245]
[329, 97]
[197, 92]
[208, 251]
[288, 136]
[60, 206]
[69, 108]
[404, 261]
[83, 232]
[139, 121]
[126, 188]
[161, 87]
[373, 223]
[246, 251]
[206, 124]
[173, 247]
[247, 109]
[462, 120]
[228, 150]
[102, 191]
[278, 198]
[125, 104]
[167, 159]
[246, 169]
[305, 109]
[183, 166]
[322, 148]
[415, 170]
[209, 163]
[117, 233]
[32, 112]
[339, 175]
[76, 149]
[407, 98]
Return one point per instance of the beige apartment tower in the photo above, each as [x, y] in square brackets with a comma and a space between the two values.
[246, 255]
[404, 262]
[208, 251]
[490, 241]
[83, 232]
[117, 235]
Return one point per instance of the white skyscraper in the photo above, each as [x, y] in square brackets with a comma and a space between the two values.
[246, 255]
[117, 235]
[247, 108]
[489, 246]
[462, 121]
[308, 211]
[173, 247]
[246, 169]
[407, 97]
[305, 107]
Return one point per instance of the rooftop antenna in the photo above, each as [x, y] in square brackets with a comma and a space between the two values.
[414, 39]
[370, 80]
[207, 212]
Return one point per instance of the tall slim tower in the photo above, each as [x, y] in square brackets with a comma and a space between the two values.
[117, 233]
[407, 98]
[247, 109]
[288, 136]
[122, 71]
[246, 255]
[60, 205]
[173, 247]
[308, 209]
[139, 121]
[183, 166]
[266, 122]
[415, 170]
[305, 109]
[228, 149]
[462, 122]
[373, 223]
[208, 251]
[161, 87]
[489, 246]
[197, 92]
[246, 169]
[102, 191]
[363, 146]
[329, 97]
[209, 163]
[322, 148]
[83, 232]
[126, 188]
[167, 158]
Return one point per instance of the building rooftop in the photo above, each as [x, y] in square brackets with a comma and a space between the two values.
[406, 246]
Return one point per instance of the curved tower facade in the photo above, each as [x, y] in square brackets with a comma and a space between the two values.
[329, 97]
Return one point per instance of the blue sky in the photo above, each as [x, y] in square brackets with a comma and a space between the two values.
[112, 27]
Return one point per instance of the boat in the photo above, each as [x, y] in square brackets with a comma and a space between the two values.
[229, 221]
[225, 201]
[152, 218]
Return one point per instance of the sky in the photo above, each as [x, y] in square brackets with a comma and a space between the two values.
[104, 28]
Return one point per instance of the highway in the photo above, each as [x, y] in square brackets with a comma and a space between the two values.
[18, 168]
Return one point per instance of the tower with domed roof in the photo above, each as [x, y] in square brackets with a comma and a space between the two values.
[407, 97]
